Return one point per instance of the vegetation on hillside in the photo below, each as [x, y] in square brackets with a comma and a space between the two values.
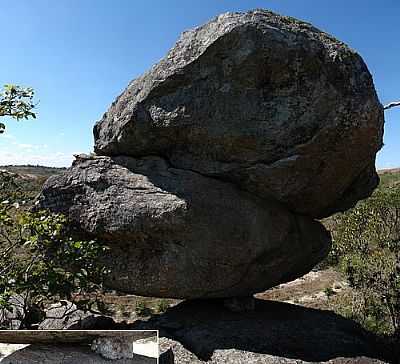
[366, 248]
[33, 171]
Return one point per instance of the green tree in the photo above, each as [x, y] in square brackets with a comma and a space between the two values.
[17, 103]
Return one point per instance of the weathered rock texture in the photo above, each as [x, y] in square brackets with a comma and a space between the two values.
[176, 233]
[215, 162]
[267, 102]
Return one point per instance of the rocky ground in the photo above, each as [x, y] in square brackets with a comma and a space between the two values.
[66, 354]
[70, 347]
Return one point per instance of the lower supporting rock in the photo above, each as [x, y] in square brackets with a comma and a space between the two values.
[174, 233]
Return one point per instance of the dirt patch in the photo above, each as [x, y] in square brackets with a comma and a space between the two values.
[315, 289]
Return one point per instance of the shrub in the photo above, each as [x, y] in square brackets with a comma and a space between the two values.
[162, 306]
[142, 309]
[329, 292]
[367, 249]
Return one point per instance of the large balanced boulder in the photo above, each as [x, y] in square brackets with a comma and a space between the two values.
[176, 233]
[267, 102]
[212, 166]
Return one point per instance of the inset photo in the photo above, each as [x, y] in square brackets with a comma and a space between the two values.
[79, 346]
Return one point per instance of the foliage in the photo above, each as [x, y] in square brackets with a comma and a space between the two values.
[142, 309]
[366, 246]
[17, 103]
[162, 306]
[40, 263]
[329, 292]
[20, 190]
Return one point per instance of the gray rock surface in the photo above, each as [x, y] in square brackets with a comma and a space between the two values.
[50, 354]
[267, 102]
[275, 332]
[177, 233]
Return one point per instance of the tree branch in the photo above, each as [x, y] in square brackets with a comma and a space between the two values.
[392, 104]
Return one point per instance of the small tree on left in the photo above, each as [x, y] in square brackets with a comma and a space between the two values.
[42, 263]
[16, 102]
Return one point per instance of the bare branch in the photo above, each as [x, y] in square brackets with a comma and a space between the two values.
[392, 104]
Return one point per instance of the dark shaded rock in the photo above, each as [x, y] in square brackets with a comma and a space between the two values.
[240, 304]
[176, 233]
[275, 332]
[176, 353]
[167, 357]
[267, 102]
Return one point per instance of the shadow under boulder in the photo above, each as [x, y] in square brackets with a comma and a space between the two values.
[204, 331]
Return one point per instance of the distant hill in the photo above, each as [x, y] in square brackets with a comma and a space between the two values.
[389, 170]
[25, 181]
[389, 177]
[40, 171]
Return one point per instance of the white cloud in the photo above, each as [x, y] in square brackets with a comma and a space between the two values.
[31, 147]
[8, 136]
[14, 152]
[26, 146]
[48, 159]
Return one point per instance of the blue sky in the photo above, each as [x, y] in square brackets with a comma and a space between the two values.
[80, 54]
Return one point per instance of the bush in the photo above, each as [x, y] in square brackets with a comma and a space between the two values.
[142, 309]
[329, 292]
[162, 306]
[366, 246]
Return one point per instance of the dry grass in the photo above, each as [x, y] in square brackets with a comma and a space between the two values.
[317, 289]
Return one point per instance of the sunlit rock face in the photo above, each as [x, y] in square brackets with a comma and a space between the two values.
[211, 168]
